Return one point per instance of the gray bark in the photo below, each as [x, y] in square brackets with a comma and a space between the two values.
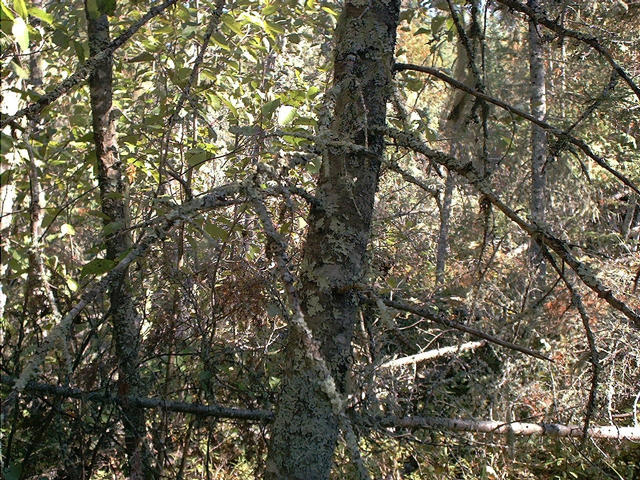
[113, 197]
[442, 247]
[305, 428]
[455, 128]
[538, 147]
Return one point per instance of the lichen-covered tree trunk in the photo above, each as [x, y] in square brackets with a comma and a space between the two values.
[305, 429]
[538, 145]
[113, 196]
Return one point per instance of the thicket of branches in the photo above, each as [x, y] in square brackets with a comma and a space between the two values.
[153, 235]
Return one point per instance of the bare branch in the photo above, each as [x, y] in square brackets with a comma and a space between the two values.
[436, 423]
[591, 340]
[431, 354]
[538, 232]
[434, 315]
[521, 113]
[144, 402]
[590, 40]
[513, 428]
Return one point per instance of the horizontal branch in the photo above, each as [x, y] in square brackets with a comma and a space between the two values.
[514, 428]
[216, 411]
[261, 415]
[562, 135]
[431, 354]
[538, 232]
[86, 69]
[590, 40]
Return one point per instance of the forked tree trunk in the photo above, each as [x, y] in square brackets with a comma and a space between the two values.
[305, 429]
[538, 147]
[113, 197]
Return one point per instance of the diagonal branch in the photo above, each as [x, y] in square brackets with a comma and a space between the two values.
[83, 72]
[581, 144]
[431, 354]
[590, 40]
[591, 340]
[436, 316]
[537, 232]
[312, 348]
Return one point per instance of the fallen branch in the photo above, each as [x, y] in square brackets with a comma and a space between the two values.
[512, 428]
[431, 354]
[435, 423]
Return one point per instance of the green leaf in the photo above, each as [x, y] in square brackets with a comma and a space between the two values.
[143, 57]
[72, 284]
[13, 471]
[21, 8]
[19, 71]
[6, 12]
[196, 157]
[270, 107]
[41, 15]
[97, 266]
[108, 7]
[436, 24]
[219, 40]
[67, 229]
[215, 231]
[230, 22]
[111, 227]
[20, 33]
[415, 84]
[92, 8]
[286, 114]
[330, 11]
[269, 10]
[60, 38]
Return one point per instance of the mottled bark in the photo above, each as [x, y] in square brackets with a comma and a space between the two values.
[538, 148]
[113, 196]
[305, 429]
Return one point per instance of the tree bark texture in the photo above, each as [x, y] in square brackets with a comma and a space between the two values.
[538, 144]
[456, 129]
[305, 428]
[113, 197]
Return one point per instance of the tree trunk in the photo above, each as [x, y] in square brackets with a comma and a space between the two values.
[538, 148]
[305, 429]
[113, 197]
[457, 131]
[442, 247]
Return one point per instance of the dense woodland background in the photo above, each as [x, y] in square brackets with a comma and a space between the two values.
[154, 220]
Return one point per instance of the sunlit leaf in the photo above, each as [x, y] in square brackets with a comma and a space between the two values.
[20, 33]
